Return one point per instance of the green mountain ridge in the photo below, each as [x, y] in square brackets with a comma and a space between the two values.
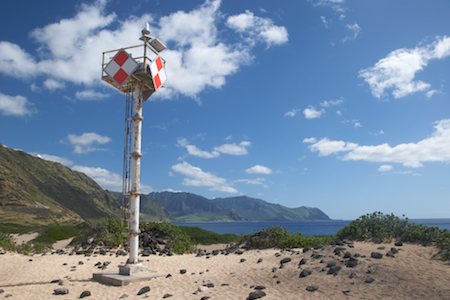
[37, 191]
[187, 207]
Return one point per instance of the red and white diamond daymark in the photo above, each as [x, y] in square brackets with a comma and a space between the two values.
[121, 67]
[158, 73]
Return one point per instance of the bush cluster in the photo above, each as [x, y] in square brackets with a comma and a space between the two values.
[177, 240]
[379, 228]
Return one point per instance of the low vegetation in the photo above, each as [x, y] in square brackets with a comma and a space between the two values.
[375, 227]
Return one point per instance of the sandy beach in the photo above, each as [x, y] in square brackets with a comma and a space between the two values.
[412, 274]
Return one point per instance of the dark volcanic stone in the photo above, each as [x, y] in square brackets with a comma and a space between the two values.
[318, 247]
[205, 298]
[215, 252]
[390, 254]
[243, 260]
[303, 261]
[331, 264]
[334, 270]
[381, 248]
[85, 294]
[394, 250]
[347, 254]
[209, 285]
[259, 260]
[398, 244]
[370, 280]
[312, 288]
[352, 262]
[305, 273]
[144, 290]
[256, 295]
[285, 260]
[353, 275]
[260, 287]
[183, 271]
[61, 291]
[167, 296]
[377, 255]
[306, 249]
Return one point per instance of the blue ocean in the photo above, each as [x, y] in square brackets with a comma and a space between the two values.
[307, 228]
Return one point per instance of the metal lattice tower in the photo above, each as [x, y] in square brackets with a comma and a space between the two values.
[126, 184]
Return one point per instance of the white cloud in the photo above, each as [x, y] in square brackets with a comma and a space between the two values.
[324, 21]
[396, 72]
[385, 168]
[252, 181]
[193, 150]
[200, 57]
[197, 177]
[312, 113]
[234, 149]
[292, 113]
[52, 84]
[258, 169]
[326, 103]
[434, 148]
[338, 112]
[108, 180]
[83, 143]
[355, 29]
[16, 106]
[62, 160]
[336, 5]
[311, 140]
[257, 28]
[90, 95]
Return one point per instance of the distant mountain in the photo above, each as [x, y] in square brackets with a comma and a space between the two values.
[186, 207]
[150, 209]
[260, 210]
[37, 191]
[191, 207]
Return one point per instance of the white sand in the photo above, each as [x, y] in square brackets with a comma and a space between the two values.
[412, 274]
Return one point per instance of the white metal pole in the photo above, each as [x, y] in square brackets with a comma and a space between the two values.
[135, 176]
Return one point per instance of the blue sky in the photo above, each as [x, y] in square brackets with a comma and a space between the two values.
[337, 104]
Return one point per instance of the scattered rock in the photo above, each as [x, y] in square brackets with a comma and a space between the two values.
[398, 244]
[205, 298]
[259, 260]
[243, 260]
[256, 295]
[277, 254]
[352, 262]
[390, 254]
[202, 288]
[331, 264]
[334, 270]
[123, 296]
[144, 290]
[167, 296]
[274, 269]
[318, 247]
[347, 254]
[312, 288]
[85, 294]
[346, 293]
[394, 250]
[61, 291]
[183, 271]
[305, 273]
[370, 280]
[353, 275]
[169, 275]
[306, 249]
[285, 260]
[209, 285]
[2, 291]
[215, 252]
[260, 287]
[377, 255]
[303, 261]
[381, 248]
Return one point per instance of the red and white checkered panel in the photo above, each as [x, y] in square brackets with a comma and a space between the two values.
[121, 67]
[158, 73]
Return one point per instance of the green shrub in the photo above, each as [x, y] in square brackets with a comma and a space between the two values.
[7, 242]
[206, 237]
[177, 240]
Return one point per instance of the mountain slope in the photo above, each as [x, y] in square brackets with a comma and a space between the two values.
[260, 210]
[150, 209]
[33, 190]
[191, 207]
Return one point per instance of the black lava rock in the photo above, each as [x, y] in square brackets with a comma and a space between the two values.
[390, 254]
[305, 273]
[85, 294]
[285, 260]
[398, 244]
[61, 291]
[312, 288]
[377, 255]
[167, 296]
[260, 287]
[183, 271]
[256, 295]
[303, 261]
[394, 250]
[334, 270]
[144, 290]
[370, 280]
